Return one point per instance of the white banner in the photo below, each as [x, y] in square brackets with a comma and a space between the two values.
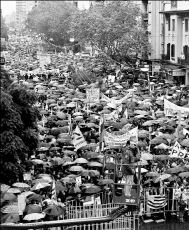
[177, 152]
[176, 193]
[111, 116]
[78, 139]
[171, 109]
[120, 140]
[113, 101]
[44, 59]
[93, 95]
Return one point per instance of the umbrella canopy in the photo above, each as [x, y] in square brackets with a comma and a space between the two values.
[40, 185]
[175, 170]
[34, 216]
[76, 168]
[162, 146]
[21, 185]
[10, 218]
[162, 177]
[184, 175]
[81, 161]
[152, 174]
[4, 188]
[33, 197]
[54, 210]
[95, 164]
[13, 190]
[10, 208]
[92, 190]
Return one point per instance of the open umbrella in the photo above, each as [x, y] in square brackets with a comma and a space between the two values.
[10, 208]
[81, 161]
[34, 216]
[162, 146]
[76, 168]
[184, 175]
[175, 170]
[54, 210]
[40, 185]
[4, 188]
[21, 185]
[95, 164]
[33, 197]
[162, 177]
[10, 218]
[13, 190]
[92, 190]
[152, 174]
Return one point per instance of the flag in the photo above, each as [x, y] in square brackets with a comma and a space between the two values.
[70, 124]
[78, 138]
[53, 196]
[156, 201]
[126, 113]
[101, 132]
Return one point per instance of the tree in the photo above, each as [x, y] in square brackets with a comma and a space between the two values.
[114, 27]
[4, 28]
[52, 18]
[18, 133]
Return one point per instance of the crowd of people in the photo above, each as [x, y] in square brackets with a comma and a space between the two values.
[74, 157]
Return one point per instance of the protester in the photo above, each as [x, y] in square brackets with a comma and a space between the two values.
[81, 126]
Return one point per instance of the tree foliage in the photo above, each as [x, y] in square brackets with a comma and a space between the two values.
[4, 28]
[115, 28]
[18, 133]
[52, 18]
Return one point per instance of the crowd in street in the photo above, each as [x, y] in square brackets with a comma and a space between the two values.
[81, 133]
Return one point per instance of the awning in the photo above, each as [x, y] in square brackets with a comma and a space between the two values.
[178, 12]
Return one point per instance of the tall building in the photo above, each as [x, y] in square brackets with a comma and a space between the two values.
[22, 9]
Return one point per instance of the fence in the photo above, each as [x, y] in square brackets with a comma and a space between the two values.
[172, 203]
[74, 210]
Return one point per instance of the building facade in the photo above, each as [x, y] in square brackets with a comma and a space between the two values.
[22, 9]
[168, 32]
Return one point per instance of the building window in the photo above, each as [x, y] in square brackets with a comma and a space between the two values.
[186, 25]
[173, 24]
[168, 51]
[172, 51]
[173, 4]
[169, 23]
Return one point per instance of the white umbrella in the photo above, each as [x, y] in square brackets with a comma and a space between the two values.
[34, 216]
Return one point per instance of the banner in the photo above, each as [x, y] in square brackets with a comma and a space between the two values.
[113, 101]
[171, 109]
[44, 59]
[177, 152]
[176, 193]
[89, 200]
[93, 95]
[120, 140]
[78, 139]
[111, 116]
